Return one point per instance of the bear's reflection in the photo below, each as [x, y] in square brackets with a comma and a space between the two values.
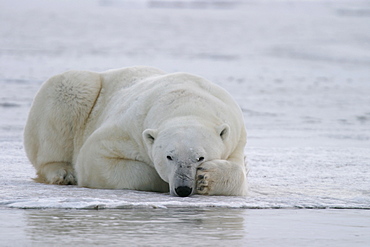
[136, 226]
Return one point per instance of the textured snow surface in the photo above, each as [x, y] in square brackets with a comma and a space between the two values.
[298, 69]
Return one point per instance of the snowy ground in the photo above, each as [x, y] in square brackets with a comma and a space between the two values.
[299, 70]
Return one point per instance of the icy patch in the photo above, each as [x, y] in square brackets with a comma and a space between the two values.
[278, 178]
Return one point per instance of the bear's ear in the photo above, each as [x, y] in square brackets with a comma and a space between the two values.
[224, 131]
[149, 136]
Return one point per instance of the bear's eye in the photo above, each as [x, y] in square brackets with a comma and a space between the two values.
[169, 157]
[200, 159]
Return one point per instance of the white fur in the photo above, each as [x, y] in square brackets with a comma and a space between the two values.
[137, 128]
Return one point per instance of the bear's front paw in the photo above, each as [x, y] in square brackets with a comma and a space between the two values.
[221, 177]
[210, 176]
[202, 182]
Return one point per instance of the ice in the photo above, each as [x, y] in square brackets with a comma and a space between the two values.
[298, 69]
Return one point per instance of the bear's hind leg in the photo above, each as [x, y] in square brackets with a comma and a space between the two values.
[58, 115]
[56, 173]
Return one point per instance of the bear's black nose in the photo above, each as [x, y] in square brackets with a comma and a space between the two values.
[183, 191]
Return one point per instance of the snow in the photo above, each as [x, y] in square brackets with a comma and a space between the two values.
[298, 69]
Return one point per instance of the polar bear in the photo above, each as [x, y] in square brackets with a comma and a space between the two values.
[137, 128]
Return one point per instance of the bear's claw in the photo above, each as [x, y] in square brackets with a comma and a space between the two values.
[202, 182]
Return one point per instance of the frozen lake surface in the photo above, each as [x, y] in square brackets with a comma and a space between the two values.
[298, 69]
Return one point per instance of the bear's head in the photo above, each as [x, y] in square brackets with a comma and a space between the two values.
[178, 151]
